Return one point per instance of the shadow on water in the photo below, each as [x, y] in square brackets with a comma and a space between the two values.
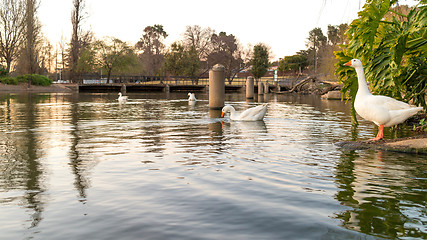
[21, 173]
[384, 193]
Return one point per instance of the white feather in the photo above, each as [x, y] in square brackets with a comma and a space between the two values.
[252, 114]
[381, 110]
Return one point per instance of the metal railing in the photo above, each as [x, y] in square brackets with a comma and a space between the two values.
[128, 79]
[177, 80]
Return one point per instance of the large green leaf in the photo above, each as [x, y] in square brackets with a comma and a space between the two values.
[393, 52]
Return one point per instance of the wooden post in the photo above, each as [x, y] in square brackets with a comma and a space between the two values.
[217, 87]
[250, 87]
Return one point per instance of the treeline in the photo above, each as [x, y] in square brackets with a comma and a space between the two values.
[319, 56]
[25, 50]
[192, 56]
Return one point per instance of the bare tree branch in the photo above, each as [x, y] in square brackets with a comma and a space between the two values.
[12, 29]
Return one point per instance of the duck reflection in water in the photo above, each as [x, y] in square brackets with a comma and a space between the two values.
[247, 129]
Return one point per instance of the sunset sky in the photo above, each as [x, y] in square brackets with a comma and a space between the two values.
[282, 24]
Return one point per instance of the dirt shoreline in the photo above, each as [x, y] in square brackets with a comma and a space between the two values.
[23, 87]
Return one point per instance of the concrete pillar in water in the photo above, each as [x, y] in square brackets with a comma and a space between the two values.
[167, 88]
[250, 87]
[217, 87]
[123, 89]
[260, 88]
[215, 113]
[266, 87]
[266, 97]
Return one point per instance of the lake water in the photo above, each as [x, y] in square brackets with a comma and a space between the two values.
[83, 166]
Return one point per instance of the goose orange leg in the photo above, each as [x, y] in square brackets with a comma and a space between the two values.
[380, 134]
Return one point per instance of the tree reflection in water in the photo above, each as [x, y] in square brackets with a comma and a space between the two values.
[19, 157]
[384, 193]
[81, 183]
[50, 147]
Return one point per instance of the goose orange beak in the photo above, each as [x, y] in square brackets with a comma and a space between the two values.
[222, 114]
[348, 64]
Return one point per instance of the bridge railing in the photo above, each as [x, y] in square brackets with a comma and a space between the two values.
[167, 80]
[176, 80]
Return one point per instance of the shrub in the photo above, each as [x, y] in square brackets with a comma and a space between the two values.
[35, 79]
[8, 80]
[3, 72]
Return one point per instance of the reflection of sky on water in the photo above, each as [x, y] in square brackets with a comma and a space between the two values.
[80, 154]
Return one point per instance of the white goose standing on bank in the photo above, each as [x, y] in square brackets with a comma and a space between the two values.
[121, 98]
[252, 114]
[382, 110]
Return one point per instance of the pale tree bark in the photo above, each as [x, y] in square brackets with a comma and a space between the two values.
[12, 30]
[201, 40]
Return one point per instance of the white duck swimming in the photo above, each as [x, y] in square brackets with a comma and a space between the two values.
[252, 114]
[382, 110]
[122, 98]
[191, 97]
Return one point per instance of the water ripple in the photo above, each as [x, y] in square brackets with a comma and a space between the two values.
[88, 167]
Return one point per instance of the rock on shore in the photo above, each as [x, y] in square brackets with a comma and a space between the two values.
[417, 144]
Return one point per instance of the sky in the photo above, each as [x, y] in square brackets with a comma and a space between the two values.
[281, 24]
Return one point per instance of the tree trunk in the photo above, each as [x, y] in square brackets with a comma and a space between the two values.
[8, 63]
[108, 75]
[76, 18]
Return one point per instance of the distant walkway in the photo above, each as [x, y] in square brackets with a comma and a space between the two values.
[132, 87]
[173, 84]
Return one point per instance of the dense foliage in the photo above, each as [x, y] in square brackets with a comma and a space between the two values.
[181, 62]
[8, 80]
[226, 51]
[152, 47]
[3, 71]
[110, 55]
[36, 79]
[259, 61]
[293, 63]
[319, 57]
[393, 48]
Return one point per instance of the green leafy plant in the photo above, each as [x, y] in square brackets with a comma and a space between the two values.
[393, 49]
[259, 60]
[3, 71]
[422, 125]
[8, 80]
[35, 79]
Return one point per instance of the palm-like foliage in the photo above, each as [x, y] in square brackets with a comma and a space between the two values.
[392, 49]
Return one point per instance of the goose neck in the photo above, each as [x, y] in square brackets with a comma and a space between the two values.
[363, 86]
